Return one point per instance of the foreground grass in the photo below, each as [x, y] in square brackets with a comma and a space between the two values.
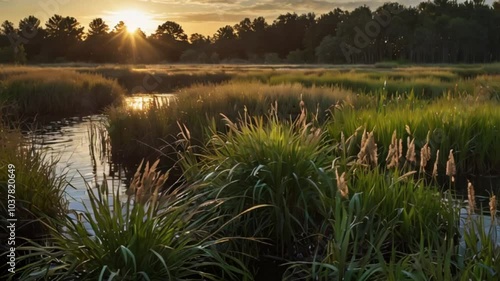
[38, 192]
[272, 199]
[33, 92]
[149, 236]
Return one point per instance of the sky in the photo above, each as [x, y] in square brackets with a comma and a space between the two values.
[195, 16]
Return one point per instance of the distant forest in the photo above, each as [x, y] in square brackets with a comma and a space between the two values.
[441, 31]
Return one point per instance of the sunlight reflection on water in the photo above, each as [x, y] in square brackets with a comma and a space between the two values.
[141, 102]
[68, 141]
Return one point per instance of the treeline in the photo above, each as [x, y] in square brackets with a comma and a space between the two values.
[441, 31]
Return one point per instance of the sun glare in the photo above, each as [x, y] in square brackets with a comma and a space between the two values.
[133, 19]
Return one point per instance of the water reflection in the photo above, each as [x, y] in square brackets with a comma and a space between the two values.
[142, 102]
[81, 148]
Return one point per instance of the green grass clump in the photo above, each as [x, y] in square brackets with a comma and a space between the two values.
[58, 93]
[144, 133]
[272, 164]
[143, 235]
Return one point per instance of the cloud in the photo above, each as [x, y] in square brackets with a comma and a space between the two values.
[210, 17]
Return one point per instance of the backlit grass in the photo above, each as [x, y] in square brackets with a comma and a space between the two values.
[148, 133]
[466, 124]
[303, 181]
[56, 93]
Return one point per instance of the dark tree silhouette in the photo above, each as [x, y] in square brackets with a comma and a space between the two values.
[32, 35]
[438, 31]
[64, 34]
[170, 30]
[7, 28]
[98, 27]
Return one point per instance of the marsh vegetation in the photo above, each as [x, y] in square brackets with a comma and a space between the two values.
[271, 173]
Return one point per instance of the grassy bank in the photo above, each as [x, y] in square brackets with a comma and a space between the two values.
[30, 92]
[27, 179]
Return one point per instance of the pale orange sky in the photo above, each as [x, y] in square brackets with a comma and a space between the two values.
[200, 16]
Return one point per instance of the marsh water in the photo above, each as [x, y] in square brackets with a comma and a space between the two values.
[80, 146]
[81, 157]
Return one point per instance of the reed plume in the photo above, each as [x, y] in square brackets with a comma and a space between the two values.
[147, 185]
[471, 195]
[303, 113]
[394, 154]
[368, 153]
[435, 169]
[425, 156]
[493, 207]
[342, 184]
[410, 152]
[451, 169]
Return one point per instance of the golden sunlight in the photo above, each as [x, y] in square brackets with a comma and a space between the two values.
[133, 19]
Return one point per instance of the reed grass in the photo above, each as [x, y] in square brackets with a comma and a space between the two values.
[427, 81]
[149, 235]
[275, 181]
[266, 163]
[57, 92]
[38, 191]
[153, 131]
[466, 125]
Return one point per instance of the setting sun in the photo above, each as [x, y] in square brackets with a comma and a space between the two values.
[133, 19]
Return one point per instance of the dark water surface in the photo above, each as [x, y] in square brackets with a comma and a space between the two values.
[69, 142]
